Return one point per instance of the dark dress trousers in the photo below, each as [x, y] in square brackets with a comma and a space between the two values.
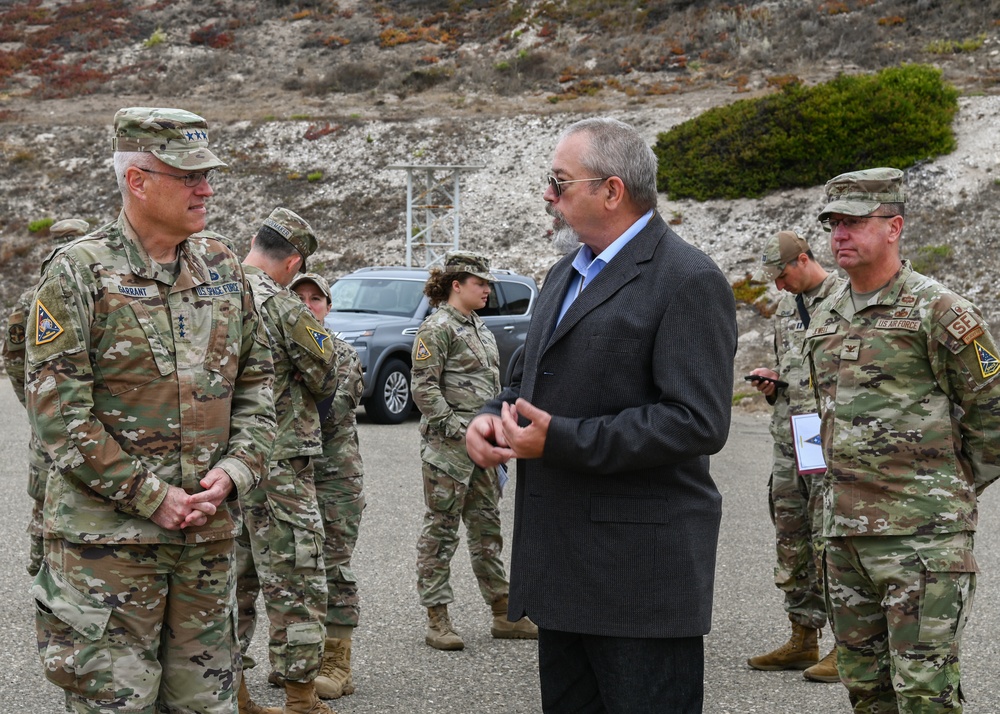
[616, 526]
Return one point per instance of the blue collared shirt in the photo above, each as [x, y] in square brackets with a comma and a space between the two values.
[588, 265]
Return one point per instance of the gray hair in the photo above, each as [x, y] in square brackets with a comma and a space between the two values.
[616, 149]
[123, 160]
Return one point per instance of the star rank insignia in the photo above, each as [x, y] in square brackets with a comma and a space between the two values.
[46, 326]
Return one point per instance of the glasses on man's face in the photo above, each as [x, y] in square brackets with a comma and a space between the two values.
[190, 180]
[557, 185]
[848, 222]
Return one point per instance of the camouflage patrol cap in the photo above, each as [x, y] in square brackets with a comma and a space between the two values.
[858, 193]
[465, 261]
[176, 137]
[69, 228]
[780, 250]
[295, 230]
[314, 278]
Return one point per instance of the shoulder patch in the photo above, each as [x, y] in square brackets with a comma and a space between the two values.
[963, 326]
[47, 328]
[320, 337]
[309, 334]
[988, 362]
[421, 352]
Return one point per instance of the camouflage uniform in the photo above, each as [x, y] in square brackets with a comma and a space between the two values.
[910, 410]
[339, 475]
[139, 378]
[39, 462]
[795, 507]
[281, 549]
[455, 370]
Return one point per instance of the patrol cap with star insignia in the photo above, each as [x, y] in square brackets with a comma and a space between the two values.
[780, 250]
[859, 193]
[465, 261]
[316, 279]
[176, 137]
[294, 229]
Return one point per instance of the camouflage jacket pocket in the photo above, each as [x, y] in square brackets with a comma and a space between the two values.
[221, 352]
[297, 531]
[447, 454]
[128, 347]
[85, 614]
[70, 627]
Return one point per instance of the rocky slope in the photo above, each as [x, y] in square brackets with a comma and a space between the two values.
[274, 123]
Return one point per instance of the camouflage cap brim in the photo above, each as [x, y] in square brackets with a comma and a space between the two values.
[849, 208]
[767, 273]
[192, 160]
[472, 270]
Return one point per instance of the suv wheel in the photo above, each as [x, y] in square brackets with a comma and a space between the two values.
[391, 401]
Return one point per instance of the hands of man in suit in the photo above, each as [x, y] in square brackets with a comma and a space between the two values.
[485, 442]
[526, 442]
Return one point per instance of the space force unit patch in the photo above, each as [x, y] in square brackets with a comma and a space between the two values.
[46, 326]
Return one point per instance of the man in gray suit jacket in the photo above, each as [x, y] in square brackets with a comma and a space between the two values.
[624, 390]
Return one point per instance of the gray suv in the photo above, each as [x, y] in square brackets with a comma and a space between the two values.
[378, 311]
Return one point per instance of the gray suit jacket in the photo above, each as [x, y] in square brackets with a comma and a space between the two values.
[616, 526]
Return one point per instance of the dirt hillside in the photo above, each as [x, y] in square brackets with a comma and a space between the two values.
[312, 103]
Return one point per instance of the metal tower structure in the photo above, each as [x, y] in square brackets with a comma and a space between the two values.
[433, 204]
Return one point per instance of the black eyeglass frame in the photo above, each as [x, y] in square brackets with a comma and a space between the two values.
[190, 180]
[851, 221]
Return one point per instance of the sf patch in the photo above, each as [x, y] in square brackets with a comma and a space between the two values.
[47, 328]
[421, 352]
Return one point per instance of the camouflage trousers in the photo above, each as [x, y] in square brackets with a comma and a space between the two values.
[139, 628]
[797, 515]
[36, 547]
[341, 502]
[280, 554]
[899, 605]
[448, 502]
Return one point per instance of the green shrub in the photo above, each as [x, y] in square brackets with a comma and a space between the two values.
[42, 224]
[803, 136]
[314, 176]
[157, 38]
[950, 47]
[930, 258]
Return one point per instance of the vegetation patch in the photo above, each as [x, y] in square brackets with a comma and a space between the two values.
[801, 136]
[746, 291]
[55, 43]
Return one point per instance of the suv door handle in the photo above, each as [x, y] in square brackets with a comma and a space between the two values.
[508, 328]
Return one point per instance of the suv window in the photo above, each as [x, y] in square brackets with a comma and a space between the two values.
[507, 299]
[381, 296]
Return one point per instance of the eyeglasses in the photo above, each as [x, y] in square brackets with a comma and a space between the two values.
[557, 185]
[190, 180]
[848, 222]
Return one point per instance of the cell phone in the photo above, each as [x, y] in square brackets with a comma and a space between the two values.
[757, 378]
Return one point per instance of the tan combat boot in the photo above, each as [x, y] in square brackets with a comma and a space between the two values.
[800, 652]
[440, 634]
[247, 705]
[503, 629]
[334, 679]
[825, 670]
[301, 698]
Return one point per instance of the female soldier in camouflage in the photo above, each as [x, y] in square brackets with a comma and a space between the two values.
[339, 477]
[455, 370]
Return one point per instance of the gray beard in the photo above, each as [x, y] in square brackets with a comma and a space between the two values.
[565, 239]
